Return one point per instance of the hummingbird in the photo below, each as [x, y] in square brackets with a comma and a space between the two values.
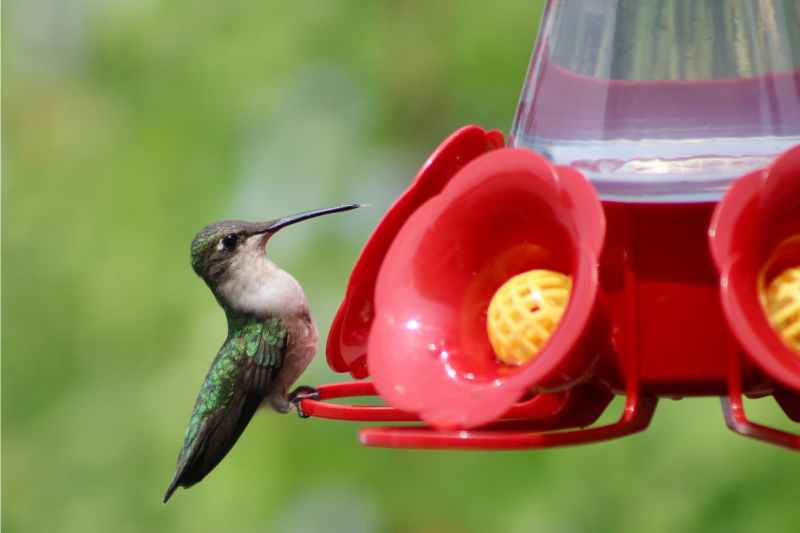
[271, 339]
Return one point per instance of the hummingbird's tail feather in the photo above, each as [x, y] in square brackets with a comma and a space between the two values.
[172, 487]
[213, 441]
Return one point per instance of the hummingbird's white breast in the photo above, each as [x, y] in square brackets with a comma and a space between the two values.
[255, 285]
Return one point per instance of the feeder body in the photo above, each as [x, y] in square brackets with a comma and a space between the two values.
[655, 160]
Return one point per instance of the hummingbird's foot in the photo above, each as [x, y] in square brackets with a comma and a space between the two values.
[303, 392]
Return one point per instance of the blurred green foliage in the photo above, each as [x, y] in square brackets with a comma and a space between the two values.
[129, 125]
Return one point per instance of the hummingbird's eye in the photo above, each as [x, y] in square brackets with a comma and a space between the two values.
[229, 241]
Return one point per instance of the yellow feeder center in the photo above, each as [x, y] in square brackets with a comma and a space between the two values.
[782, 304]
[524, 312]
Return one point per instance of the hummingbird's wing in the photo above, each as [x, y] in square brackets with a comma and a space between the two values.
[236, 384]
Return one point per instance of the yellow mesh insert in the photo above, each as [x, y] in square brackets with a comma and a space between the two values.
[524, 312]
[781, 301]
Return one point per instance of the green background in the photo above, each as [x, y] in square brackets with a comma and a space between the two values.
[131, 124]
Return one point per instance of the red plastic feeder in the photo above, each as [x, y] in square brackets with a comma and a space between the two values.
[668, 279]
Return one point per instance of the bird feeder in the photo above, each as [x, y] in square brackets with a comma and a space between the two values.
[652, 180]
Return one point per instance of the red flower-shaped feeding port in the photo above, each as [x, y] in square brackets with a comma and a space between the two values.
[347, 339]
[476, 215]
[507, 212]
[754, 235]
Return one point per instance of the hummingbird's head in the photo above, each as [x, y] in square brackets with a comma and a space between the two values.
[221, 249]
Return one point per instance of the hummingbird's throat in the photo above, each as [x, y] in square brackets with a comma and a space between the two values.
[255, 285]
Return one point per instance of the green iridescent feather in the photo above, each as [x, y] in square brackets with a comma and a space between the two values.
[251, 354]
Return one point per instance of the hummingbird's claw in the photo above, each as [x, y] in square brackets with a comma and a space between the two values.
[303, 392]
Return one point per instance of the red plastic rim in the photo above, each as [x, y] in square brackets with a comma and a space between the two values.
[538, 422]
[579, 406]
[754, 218]
[519, 435]
[347, 340]
[538, 407]
[362, 413]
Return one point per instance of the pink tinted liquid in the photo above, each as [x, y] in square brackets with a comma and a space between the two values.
[663, 101]
[653, 140]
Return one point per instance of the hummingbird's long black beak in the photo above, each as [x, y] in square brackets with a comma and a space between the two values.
[275, 225]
